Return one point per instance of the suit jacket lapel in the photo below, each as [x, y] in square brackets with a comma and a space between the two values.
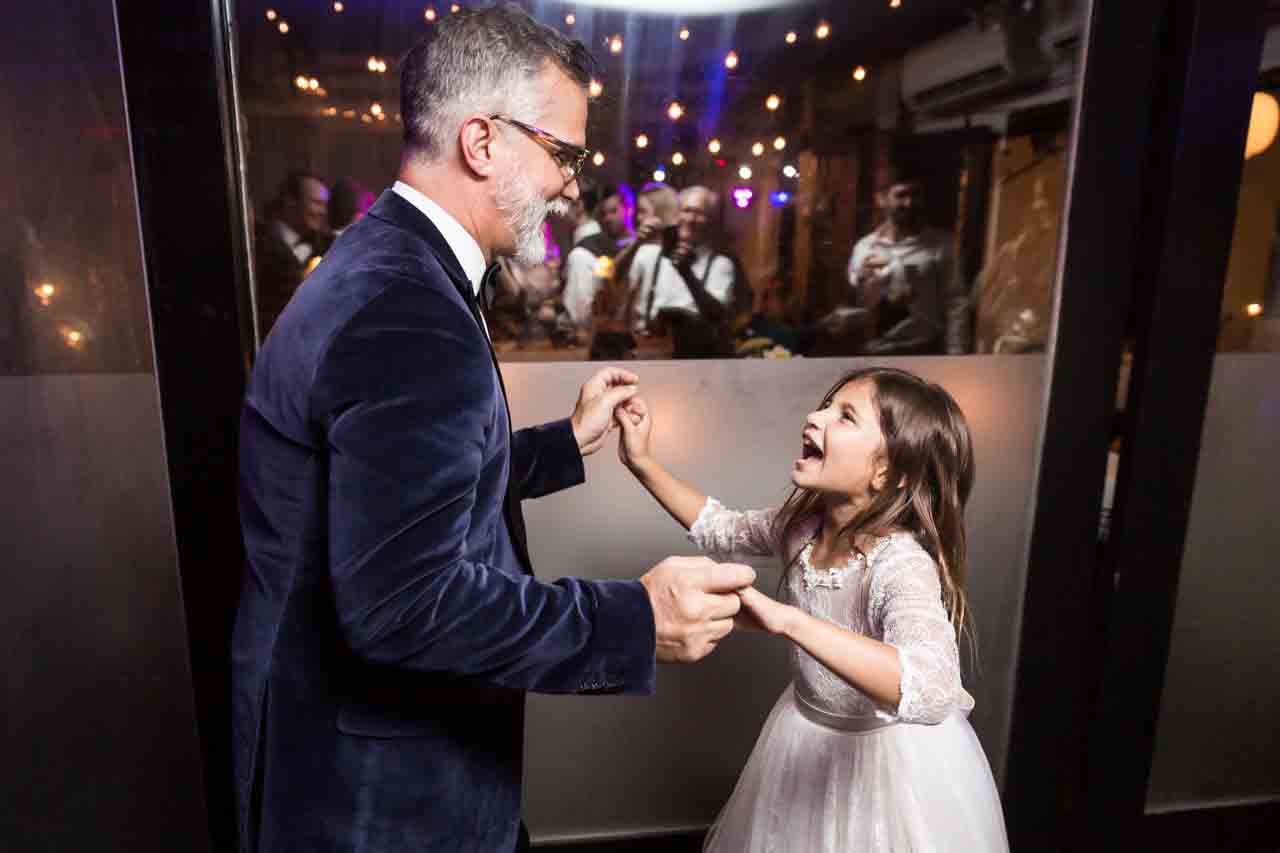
[393, 209]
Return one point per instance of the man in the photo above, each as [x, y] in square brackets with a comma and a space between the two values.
[689, 286]
[294, 233]
[390, 624]
[582, 211]
[904, 274]
[614, 212]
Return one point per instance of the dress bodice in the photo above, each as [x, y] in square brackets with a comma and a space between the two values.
[890, 593]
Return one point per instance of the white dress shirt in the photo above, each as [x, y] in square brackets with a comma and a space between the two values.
[464, 246]
[301, 248]
[670, 291]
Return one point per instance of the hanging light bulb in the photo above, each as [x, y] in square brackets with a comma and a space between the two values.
[338, 6]
[598, 159]
[677, 159]
[372, 64]
[300, 81]
[791, 37]
[1253, 309]
[714, 146]
[283, 27]
[455, 8]
[779, 143]
[745, 173]
[659, 174]
[893, 4]
[430, 14]
[860, 73]
[731, 60]
[772, 102]
[375, 108]
[823, 30]
[642, 141]
[757, 149]
[570, 19]
[684, 34]
[595, 88]
[675, 111]
[615, 44]
[789, 171]
[271, 15]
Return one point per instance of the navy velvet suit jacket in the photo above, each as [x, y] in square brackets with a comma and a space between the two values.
[389, 623]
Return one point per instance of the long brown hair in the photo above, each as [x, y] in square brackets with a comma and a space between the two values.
[929, 456]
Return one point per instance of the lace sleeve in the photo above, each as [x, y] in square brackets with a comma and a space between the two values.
[907, 605]
[726, 533]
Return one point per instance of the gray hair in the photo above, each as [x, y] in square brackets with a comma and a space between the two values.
[486, 61]
[713, 198]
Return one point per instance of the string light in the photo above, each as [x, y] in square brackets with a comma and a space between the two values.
[313, 84]
[366, 118]
[430, 14]
[45, 293]
[598, 159]
[271, 14]
[300, 81]
[1253, 309]
[375, 108]
[779, 143]
[72, 337]
[823, 30]
[455, 8]
[595, 88]
[789, 171]
[772, 102]
[615, 44]
[376, 65]
[714, 146]
[570, 19]
[731, 60]
[677, 159]
[757, 149]
[745, 173]
[642, 141]
[675, 111]
[893, 4]
[338, 6]
[659, 174]
[283, 27]
[348, 113]
[860, 74]
[684, 34]
[791, 37]
[331, 111]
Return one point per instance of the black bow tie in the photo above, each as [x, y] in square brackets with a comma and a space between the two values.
[489, 287]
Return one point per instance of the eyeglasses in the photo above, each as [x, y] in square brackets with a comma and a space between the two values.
[569, 157]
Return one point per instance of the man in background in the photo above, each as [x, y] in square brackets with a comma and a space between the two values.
[293, 234]
[614, 213]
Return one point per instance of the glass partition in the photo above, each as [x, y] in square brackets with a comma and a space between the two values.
[885, 178]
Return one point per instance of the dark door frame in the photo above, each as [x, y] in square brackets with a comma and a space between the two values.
[1160, 137]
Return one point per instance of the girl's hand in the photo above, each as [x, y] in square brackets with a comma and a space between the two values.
[761, 613]
[634, 447]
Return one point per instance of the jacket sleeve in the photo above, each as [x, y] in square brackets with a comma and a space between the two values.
[545, 459]
[406, 397]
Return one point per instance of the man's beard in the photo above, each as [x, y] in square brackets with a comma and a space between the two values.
[524, 210]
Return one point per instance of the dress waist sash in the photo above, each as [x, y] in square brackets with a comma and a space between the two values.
[858, 725]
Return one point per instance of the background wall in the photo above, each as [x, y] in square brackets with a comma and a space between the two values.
[598, 766]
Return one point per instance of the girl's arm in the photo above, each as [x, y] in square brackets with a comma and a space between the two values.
[677, 497]
[915, 671]
[869, 665]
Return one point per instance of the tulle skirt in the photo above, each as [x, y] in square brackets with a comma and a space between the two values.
[811, 788]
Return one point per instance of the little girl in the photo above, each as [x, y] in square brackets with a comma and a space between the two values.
[869, 748]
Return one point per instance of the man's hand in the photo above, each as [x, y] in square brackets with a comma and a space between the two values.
[694, 601]
[592, 417]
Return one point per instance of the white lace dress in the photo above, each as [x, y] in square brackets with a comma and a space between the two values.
[832, 771]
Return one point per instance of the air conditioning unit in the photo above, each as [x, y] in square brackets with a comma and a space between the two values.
[975, 66]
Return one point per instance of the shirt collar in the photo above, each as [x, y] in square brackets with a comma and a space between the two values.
[464, 246]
